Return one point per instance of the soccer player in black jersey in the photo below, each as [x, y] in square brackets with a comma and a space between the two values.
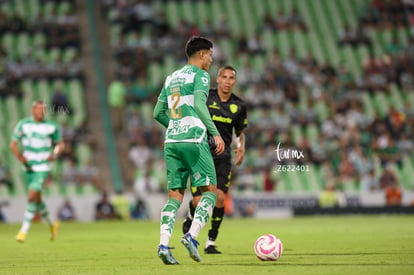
[229, 114]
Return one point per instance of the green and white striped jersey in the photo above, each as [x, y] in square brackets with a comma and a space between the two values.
[178, 91]
[37, 140]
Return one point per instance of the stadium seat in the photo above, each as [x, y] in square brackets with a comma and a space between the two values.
[396, 98]
[381, 103]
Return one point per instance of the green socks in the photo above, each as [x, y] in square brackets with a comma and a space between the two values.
[168, 216]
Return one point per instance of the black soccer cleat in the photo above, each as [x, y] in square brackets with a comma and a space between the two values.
[187, 225]
[211, 249]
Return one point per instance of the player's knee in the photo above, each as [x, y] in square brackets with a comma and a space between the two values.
[176, 194]
[208, 188]
[220, 202]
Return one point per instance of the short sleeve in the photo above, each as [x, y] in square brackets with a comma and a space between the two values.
[202, 82]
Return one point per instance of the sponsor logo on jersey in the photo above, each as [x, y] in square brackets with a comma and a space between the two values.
[178, 129]
[233, 108]
[221, 119]
[214, 105]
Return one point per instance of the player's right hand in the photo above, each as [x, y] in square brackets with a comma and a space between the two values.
[219, 145]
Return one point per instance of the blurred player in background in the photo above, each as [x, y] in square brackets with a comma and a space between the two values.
[36, 142]
[229, 113]
[181, 108]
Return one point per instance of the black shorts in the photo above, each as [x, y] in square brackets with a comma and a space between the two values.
[223, 175]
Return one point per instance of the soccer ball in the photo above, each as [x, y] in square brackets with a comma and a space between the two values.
[268, 248]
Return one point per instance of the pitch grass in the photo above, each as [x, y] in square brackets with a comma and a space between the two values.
[315, 245]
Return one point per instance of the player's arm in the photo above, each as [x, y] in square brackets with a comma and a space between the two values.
[59, 145]
[14, 143]
[240, 148]
[240, 137]
[201, 109]
[57, 150]
[14, 147]
[160, 113]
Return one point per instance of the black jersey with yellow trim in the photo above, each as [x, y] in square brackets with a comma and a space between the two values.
[227, 116]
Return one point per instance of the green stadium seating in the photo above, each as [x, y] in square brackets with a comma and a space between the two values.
[325, 19]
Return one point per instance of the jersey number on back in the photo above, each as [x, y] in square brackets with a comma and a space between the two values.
[175, 112]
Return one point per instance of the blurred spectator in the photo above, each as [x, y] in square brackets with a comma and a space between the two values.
[66, 212]
[393, 195]
[246, 183]
[116, 100]
[388, 177]
[139, 153]
[228, 202]
[405, 145]
[354, 38]
[88, 173]
[138, 91]
[68, 150]
[394, 47]
[242, 44]
[281, 21]
[223, 28]
[319, 152]
[104, 210]
[5, 177]
[270, 183]
[139, 210]
[60, 103]
[248, 211]
[295, 20]
[346, 168]
[69, 172]
[369, 182]
[82, 134]
[146, 184]
[328, 197]
[16, 23]
[121, 205]
[347, 36]
[384, 146]
[255, 44]
[2, 216]
[68, 132]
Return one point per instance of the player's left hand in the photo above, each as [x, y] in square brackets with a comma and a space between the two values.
[238, 155]
[219, 145]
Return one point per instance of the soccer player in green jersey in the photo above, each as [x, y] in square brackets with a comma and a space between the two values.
[36, 142]
[182, 109]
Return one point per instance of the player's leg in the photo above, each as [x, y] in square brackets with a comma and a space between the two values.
[168, 217]
[29, 214]
[53, 226]
[38, 181]
[177, 177]
[196, 193]
[203, 175]
[203, 210]
[223, 170]
[201, 216]
[216, 219]
[31, 208]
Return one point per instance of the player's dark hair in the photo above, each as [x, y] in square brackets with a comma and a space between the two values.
[197, 43]
[227, 67]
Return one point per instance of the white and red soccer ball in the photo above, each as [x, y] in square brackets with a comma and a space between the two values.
[268, 248]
